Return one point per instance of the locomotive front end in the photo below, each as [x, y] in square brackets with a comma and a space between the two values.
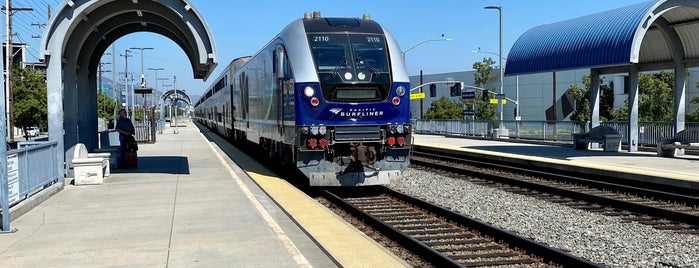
[353, 124]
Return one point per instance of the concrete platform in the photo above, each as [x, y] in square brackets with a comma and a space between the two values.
[187, 205]
[641, 166]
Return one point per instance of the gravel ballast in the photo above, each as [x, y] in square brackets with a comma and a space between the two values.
[605, 240]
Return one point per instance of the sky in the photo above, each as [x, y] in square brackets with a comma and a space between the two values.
[241, 28]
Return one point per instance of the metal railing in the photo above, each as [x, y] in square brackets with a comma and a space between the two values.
[454, 127]
[547, 131]
[37, 169]
[649, 133]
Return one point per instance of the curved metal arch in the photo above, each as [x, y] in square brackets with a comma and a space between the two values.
[83, 29]
[177, 94]
[186, 100]
[613, 38]
[653, 17]
[181, 20]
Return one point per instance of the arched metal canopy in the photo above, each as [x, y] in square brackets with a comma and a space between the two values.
[177, 94]
[78, 35]
[656, 35]
[651, 35]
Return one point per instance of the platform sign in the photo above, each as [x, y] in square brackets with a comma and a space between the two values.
[420, 95]
[143, 90]
[493, 101]
[500, 96]
[468, 95]
[469, 112]
[12, 179]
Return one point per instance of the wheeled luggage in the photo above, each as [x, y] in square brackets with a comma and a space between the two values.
[130, 159]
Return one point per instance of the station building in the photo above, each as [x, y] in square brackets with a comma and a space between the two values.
[536, 92]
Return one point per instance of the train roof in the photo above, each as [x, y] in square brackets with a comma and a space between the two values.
[316, 25]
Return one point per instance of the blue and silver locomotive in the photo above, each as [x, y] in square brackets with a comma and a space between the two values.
[329, 96]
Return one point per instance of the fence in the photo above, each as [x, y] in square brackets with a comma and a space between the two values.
[649, 133]
[145, 130]
[37, 169]
[551, 131]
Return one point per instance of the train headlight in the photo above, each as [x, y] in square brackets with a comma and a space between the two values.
[304, 130]
[314, 130]
[399, 128]
[322, 130]
[400, 90]
[309, 91]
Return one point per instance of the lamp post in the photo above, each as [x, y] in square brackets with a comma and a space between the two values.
[402, 53]
[155, 70]
[517, 82]
[143, 76]
[443, 38]
[143, 80]
[499, 9]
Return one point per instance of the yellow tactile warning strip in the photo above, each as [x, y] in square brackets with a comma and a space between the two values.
[349, 246]
[578, 163]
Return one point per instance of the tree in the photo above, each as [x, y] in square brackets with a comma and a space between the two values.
[582, 100]
[656, 99]
[484, 109]
[444, 108]
[30, 107]
[693, 116]
[105, 107]
[582, 103]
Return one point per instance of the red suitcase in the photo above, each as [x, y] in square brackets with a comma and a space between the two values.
[130, 159]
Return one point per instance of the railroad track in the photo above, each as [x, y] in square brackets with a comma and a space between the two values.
[443, 237]
[659, 209]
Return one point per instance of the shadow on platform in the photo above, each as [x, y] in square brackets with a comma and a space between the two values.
[159, 164]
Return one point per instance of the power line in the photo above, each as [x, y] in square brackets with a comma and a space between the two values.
[9, 12]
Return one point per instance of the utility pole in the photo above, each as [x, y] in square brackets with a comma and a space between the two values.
[126, 76]
[100, 72]
[9, 11]
[114, 83]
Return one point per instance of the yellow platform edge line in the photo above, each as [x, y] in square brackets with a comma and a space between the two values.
[349, 246]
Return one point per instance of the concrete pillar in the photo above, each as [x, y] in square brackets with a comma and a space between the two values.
[633, 110]
[70, 105]
[680, 95]
[88, 112]
[594, 97]
[54, 99]
[619, 95]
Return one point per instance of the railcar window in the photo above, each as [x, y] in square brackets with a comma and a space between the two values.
[370, 52]
[328, 57]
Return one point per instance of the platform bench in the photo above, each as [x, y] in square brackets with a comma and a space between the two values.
[89, 168]
[675, 145]
[609, 138]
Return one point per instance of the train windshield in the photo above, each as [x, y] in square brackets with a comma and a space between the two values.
[349, 52]
[359, 59]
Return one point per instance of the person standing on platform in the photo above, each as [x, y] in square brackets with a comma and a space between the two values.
[125, 129]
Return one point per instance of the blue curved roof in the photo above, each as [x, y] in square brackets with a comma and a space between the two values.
[602, 39]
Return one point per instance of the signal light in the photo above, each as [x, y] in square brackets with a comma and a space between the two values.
[315, 101]
[401, 141]
[391, 141]
[312, 143]
[396, 101]
[323, 143]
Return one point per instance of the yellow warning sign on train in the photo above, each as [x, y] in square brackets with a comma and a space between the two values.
[417, 96]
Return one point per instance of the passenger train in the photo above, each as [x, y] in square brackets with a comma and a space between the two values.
[329, 96]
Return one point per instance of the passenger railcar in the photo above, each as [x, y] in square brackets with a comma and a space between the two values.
[327, 95]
